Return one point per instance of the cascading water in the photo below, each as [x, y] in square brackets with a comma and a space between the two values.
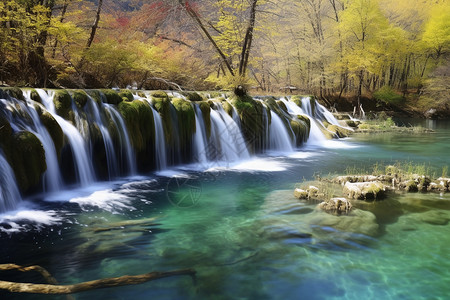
[52, 177]
[123, 136]
[111, 157]
[279, 137]
[316, 137]
[226, 138]
[9, 193]
[160, 141]
[200, 138]
[83, 162]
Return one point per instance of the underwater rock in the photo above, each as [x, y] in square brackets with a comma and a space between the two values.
[364, 190]
[434, 217]
[336, 205]
[357, 221]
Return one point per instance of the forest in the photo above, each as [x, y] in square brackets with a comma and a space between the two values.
[321, 47]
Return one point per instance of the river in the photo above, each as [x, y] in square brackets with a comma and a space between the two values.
[236, 226]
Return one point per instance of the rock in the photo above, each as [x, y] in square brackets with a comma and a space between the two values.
[300, 194]
[338, 205]
[430, 114]
[434, 217]
[313, 192]
[364, 190]
[409, 186]
[357, 221]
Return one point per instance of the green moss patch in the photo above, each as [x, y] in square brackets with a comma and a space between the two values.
[80, 97]
[111, 96]
[54, 130]
[63, 103]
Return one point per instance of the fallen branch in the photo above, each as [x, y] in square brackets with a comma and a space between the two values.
[18, 287]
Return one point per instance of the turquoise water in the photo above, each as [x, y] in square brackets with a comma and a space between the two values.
[242, 230]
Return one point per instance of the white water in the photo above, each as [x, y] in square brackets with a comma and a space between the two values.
[200, 137]
[160, 141]
[9, 193]
[279, 137]
[52, 176]
[83, 162]
[124, 137]
[316, 137]
[111, 157]
[226, 142]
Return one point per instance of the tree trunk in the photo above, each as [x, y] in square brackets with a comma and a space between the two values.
[248, 40]
[95, 25]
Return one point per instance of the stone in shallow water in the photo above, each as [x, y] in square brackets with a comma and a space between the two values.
[364, 190]
[434, 217]
[338, 205]
[357, 221]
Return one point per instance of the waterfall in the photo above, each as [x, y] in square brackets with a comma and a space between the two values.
[111, 157]
[160, 141]
[9, 193]
[200, 138]
[279, 137]
[226, 142]
[83, 162]
[123, 136]
[316, 137]
[52, 176]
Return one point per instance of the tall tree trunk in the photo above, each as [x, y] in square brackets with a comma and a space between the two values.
[95, 25]
[199, 22]
[248, 39]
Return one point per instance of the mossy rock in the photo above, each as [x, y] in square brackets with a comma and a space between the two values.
[35, 96]
[28, 159]
[63, 103]
[80, 97]
[305, 119]
[352, 123]
[96, 95]
[14, 92]
[138, 116]
[5, 136]
[141, 94]
[111, 96]
[163, 106]
[338, 131]
[297, 100]
[126, 95]
[227, 107]
[301, 131]
[206, 113]
[282, 106]
[192, 96]
[253, 125]
[54, 130]
[186, 125]
[159, 94]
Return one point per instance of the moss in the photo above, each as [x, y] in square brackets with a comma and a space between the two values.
[301, 131]
[186, 125]
[227, 107]
[159, 94]
[138, 116]
[80, 97]
[14, 92]
[96, 95]
[54, 130]
[338, 131]
[28, 159]
[163, 106]
[141, 94]
[126, 95]
[282, 106]
[35, 96]
[111, 96]
[297, 100]
[352, 123]
[206, 113]
[251, 115]
[63, 103]
[192, 96]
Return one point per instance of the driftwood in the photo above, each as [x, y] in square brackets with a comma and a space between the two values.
[54, 288]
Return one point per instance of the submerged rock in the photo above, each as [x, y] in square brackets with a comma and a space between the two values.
[336, 205]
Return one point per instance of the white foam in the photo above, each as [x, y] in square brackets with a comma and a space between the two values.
[302, 155]
[108, 200]
[255, 165]
[173, 173]
[24, 220]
